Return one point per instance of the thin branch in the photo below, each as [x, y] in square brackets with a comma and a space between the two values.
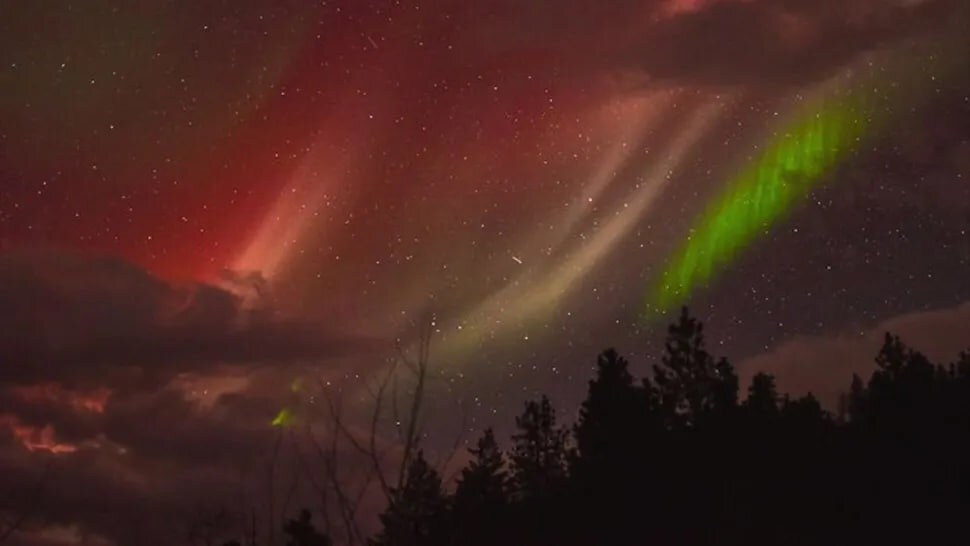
[289, 494]
[395, 413]
[329, 458]
[456, 445]
[375, 418]
[272, 496]
[315, 484]
[410, 438]
[370, 451]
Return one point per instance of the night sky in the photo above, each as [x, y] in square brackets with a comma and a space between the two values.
[201, 202]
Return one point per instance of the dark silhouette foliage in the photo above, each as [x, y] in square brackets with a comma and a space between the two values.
[614, 407]
[297, 532]
[479, 507]
[538, 458]
[762, 401]
[301, 532]
[416, 513]
[692, 386]
[677, 458]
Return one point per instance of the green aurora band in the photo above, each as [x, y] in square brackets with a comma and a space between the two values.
[811, 144]
[760, 195]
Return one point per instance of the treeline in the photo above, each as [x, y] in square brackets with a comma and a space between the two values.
[679, 458]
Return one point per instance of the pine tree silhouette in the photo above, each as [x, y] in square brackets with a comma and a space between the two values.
[301, 532]
[610, 470]
[538, 475]
[804, 413]
[692, 387]
[538, 459]
[858, 403]
[679, 461]
[762, 401]
[417, 511]
[615, 413]
[481, 496]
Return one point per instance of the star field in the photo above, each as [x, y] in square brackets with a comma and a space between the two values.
[200, 202]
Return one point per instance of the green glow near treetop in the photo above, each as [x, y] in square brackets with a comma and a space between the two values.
[284, 418]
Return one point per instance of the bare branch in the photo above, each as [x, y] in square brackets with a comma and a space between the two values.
[346, 507]
[443, 466]
[317, 487]
[375, 419]
[343, 490]
[291, 491]
[421, 370]
[370, 451]
[395, 413]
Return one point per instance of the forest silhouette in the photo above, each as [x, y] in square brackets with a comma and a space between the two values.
[681, 458]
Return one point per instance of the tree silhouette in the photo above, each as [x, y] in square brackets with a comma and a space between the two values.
[692, 386]
[615, 414]
[762, 401]
[301, 532]
[677, 460]
[609, 470]
[902, 393]
[857, 400]
[538, 474]
[538, 458]
[803, 413]
[415, 515]
[481, 495]
[962, 366]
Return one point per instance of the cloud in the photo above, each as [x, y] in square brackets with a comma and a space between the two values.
[148, 459]
[147, 396]
[69, 316]
[143, 465]
[824, 365]
[775, 42]
[691, 42]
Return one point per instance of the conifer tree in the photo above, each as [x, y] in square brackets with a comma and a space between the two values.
[481, 495]
[614, 420]
[301, 532]
[691, 385]
[762, 401]
[538, 459]
[417, 511]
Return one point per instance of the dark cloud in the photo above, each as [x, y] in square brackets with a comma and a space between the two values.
[776, 42]
[708, 42]
[130, 499]
[182, 431]
[110, 367]
[71, 314]
[143, 464]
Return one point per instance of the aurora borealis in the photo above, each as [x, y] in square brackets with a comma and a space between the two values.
[795, 159]
[762, 193]
[200, 202]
